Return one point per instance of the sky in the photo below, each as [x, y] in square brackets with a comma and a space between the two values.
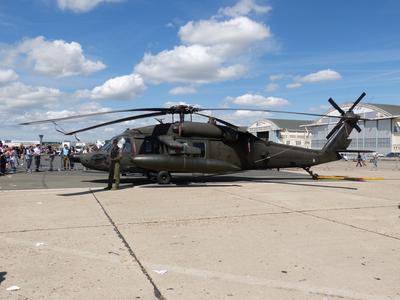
[65, 57]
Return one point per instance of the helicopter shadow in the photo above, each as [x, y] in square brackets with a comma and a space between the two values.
[302, 181]
[205, 181]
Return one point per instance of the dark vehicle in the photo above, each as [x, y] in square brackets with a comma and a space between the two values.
[214, 147]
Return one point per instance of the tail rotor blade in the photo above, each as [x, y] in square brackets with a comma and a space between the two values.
[357, 101]
[334, 129]
[333, 103]
[357, 128]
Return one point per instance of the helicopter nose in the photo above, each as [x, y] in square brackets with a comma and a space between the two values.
[84, 159]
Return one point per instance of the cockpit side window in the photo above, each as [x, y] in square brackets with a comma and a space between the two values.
[127, 146]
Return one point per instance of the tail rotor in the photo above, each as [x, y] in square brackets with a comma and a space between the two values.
[345, 115]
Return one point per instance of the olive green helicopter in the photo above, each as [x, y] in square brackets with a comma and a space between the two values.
[213, 147]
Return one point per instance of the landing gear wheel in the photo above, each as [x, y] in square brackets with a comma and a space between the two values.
[163, 177]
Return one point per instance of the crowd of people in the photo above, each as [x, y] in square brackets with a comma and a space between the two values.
[30, 157]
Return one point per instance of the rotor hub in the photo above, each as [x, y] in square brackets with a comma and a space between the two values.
[183, 109]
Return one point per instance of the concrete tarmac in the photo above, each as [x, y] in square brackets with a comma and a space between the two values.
[256, 235]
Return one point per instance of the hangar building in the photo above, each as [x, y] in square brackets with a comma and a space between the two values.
[382, 134]
[289, 132]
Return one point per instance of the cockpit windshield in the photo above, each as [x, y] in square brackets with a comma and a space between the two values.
[124, 144]
[107, 146]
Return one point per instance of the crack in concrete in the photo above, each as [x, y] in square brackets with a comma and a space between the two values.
[157, 292]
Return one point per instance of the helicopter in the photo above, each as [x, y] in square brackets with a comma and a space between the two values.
[213, 147]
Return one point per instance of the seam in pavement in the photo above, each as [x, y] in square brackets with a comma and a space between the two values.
[157, 292]
[251, 215]
[54, 228]
[305, 213]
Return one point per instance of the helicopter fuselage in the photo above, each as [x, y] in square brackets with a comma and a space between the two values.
[192, 147]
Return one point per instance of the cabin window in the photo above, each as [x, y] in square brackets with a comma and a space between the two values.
[150, 145]
[202, 147]
[147, 146]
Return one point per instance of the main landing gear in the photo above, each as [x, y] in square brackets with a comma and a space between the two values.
[313, 175]
[162, 177]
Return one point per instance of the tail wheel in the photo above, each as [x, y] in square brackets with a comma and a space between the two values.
[163, 177]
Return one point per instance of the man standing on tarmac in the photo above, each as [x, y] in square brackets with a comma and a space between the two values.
[114, 172]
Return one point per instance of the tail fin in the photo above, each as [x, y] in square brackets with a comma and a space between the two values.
[338, 138]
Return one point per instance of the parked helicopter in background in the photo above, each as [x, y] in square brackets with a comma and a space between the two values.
[214, 147]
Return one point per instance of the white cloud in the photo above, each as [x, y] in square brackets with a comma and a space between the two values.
[174, 103]
[79, 6]
[276, 77]
[244, 7]
[207, 54]
[183, 90]
[191, 64]
[323, 75]
[20, 96]
[294, 85]
[258, 100]
[226, 37]
[118, 88]
[271, 87]
[7, 75]
[56, 58]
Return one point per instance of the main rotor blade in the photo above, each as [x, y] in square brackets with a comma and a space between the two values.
[219, 120]
[94, 114]
[333, 103]
[279, 111]
[118, 121]
[357, 101]
[270, 110]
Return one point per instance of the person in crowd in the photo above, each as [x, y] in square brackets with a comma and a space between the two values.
[65, 157]
[3, 160]
[72, 152]
[12, 159]
[52, 154]
[85, 151]
[364, 160]
[21, 153]
[375, 160]
[359, 160]
[28, 158]
[37, 151]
